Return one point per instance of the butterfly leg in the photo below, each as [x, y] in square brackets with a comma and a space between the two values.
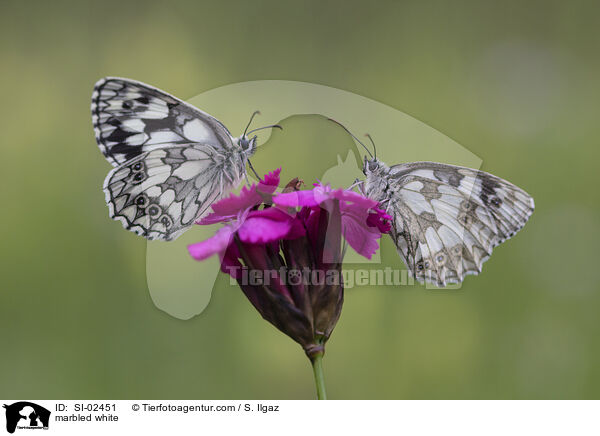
[252, 168]
[357, 183]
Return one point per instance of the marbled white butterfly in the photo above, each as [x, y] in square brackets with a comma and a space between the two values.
[172, 160]
[446, 219]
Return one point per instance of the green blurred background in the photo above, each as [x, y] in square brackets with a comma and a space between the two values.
[515, 82]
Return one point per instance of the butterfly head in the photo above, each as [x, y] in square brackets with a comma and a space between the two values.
[247, 144]
[371, 165]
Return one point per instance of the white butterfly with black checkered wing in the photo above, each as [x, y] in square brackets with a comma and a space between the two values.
[446, 220]
[172, 160]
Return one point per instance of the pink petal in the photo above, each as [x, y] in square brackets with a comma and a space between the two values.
[378, 218]
[229, 207]
[270, 181]
[259, 230]
[355, 198]
[356, 233]
[321, 193]
[296, 199]
[216, 244]
[274, 213]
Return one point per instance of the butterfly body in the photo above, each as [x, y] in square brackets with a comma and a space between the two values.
[171, 160]
[445, 219]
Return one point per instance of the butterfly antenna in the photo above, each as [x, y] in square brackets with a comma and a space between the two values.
[372, 142]
[274, 126]
[350, 133]
[250, 122]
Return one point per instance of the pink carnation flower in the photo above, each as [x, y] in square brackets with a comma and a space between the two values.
[294, 240]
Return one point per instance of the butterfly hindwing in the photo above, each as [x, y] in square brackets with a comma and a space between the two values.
[162, 192]
[131, 118]
[447, 219]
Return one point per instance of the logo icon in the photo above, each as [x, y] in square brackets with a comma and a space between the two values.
[26, 415]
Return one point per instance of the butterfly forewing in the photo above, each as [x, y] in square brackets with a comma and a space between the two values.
[447, 219]
[130, 118]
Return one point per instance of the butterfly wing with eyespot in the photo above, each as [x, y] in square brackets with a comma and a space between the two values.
[447, 219]
[161, 193]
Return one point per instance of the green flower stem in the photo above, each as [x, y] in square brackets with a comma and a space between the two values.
[317, 364]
